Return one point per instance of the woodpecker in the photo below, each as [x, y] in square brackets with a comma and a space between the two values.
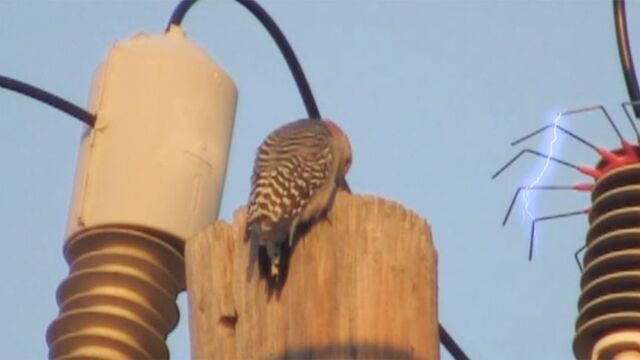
[297, 171]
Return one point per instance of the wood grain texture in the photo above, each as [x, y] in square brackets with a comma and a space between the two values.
[360, 286]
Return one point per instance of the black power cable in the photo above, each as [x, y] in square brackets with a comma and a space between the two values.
[452, 347]
[64, 105]
[280, 40]
[287, 52]
[48, 98]
[626, 59]
[176, 18]
[179, 12]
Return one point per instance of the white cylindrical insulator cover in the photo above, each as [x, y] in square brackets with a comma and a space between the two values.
[157, 155]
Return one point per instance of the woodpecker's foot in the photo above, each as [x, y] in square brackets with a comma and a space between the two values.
[325, 216]
[275, 265]
[275, 270]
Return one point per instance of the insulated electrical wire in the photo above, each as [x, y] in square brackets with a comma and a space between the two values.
[281, 41]
[48, 98]
[626, 59]
[176, 19]
[287, 52]
[452, 347]
[179, 12]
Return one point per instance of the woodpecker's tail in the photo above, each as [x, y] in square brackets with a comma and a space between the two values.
[253, 233]
[273, 251]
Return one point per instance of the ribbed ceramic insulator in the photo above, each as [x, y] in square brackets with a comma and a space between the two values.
[610, 283]
[119, 299]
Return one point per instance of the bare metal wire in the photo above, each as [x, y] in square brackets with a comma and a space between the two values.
[576, 256]
[550, 126]
[625, 107]
[538, 187]
[596, 108]
[536, 153]
[549, 217]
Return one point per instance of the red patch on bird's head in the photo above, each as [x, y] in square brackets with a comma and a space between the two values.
[343, 140]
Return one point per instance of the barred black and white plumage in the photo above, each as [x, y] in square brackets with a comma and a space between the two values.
[297, 171]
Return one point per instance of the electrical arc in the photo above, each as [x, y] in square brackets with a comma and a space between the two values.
[538, 178]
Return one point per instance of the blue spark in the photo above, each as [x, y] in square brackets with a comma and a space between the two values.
[525, 193]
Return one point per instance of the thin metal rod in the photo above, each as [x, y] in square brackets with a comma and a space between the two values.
[537, 153]
[626, 59]
[549, 217]
[550, 126]
[576, 255]
[48, 98]
[179, 12]
[625, 107]
[289, 55]
[452, 347]
[593, 108]
[539, 187]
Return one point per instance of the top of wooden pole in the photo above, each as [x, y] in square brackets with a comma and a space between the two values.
[362, 285]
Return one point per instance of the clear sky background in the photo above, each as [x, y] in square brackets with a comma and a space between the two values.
[431, 94]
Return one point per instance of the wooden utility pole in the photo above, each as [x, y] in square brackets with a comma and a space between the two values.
[360, 286]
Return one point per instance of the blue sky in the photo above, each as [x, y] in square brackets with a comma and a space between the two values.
[431, 94]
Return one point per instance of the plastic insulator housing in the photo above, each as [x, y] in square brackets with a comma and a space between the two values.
[157, 155]
[149, 177]
[610, 283]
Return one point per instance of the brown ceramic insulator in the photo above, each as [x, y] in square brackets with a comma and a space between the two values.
[119, 299]
[610, 283]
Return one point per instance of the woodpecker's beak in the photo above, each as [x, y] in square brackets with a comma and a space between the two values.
[342, 183]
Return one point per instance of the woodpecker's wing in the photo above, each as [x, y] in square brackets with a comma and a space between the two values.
[291, 165]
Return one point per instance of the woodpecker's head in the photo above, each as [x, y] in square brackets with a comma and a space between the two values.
[343, 151]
